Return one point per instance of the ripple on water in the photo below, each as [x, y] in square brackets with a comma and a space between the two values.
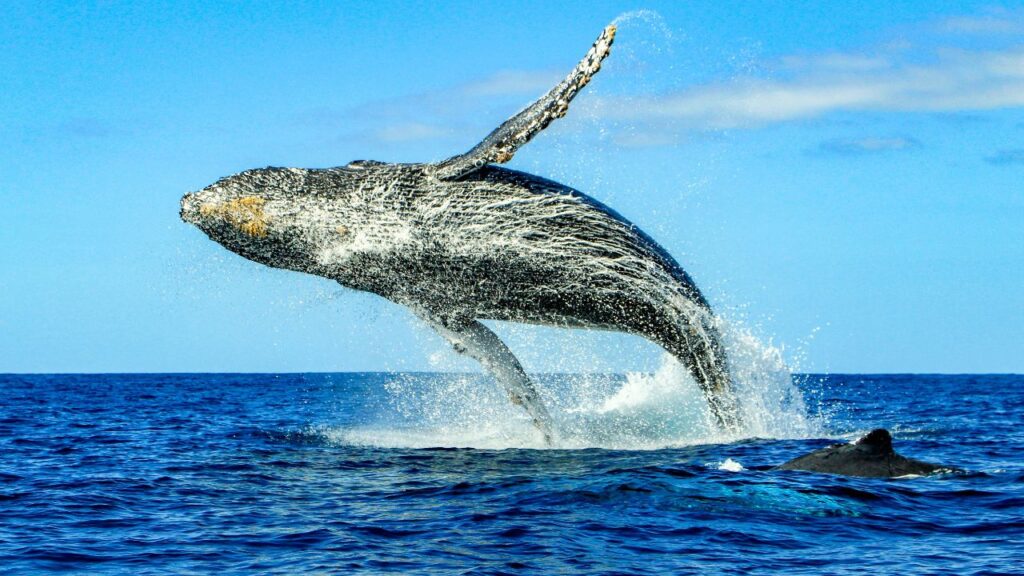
[306, 473]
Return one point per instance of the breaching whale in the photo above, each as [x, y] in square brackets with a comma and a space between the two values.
[871, 456]
[463, 240]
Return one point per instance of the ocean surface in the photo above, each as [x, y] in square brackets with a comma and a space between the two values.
[438, 474]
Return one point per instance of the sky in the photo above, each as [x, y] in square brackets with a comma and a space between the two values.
[843, 180]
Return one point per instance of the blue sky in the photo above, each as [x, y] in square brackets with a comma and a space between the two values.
[845, 179]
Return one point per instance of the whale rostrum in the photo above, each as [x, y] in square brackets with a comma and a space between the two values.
[464, 240]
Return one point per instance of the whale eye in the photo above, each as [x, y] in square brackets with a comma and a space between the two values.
[341, 230]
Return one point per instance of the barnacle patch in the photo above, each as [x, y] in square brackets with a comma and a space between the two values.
[245, 213]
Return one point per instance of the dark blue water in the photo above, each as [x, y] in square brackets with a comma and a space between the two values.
[156, 474]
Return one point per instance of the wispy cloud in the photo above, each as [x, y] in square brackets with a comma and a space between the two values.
[1006, 157]
[994, 21]
[443, 114]
[898, 77]
[511, 82]
[836, 62]
[955, 81]
[873, 145]
[908, 76]
[983, 25]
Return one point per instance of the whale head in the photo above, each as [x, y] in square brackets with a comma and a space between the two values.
[274, 216]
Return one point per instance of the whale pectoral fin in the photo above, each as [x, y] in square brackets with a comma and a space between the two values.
[501, 144]
[472, 338]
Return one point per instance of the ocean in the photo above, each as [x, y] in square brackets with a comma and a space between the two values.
[423, 473]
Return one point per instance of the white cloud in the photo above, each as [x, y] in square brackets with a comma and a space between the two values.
[897, 77]
[955, 81]
[453, 112]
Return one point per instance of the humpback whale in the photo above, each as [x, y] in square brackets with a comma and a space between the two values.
[871, 456]
[465, 240]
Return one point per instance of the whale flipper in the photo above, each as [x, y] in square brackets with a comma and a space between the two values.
[477, 341]
[501, 144]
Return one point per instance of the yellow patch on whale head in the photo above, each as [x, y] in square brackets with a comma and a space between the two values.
[245, 213]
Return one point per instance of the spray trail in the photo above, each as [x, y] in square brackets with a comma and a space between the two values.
[633, 411]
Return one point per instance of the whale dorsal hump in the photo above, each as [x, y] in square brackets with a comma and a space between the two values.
[878, 441]
[500, 145]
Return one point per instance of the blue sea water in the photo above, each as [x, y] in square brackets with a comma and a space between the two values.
[433, 474]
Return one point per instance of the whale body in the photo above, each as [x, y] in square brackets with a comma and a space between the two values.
[870, 456]
[463, 240]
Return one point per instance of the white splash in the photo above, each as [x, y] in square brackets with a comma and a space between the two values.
[637, 411]
[644, 18]
[730, 465]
